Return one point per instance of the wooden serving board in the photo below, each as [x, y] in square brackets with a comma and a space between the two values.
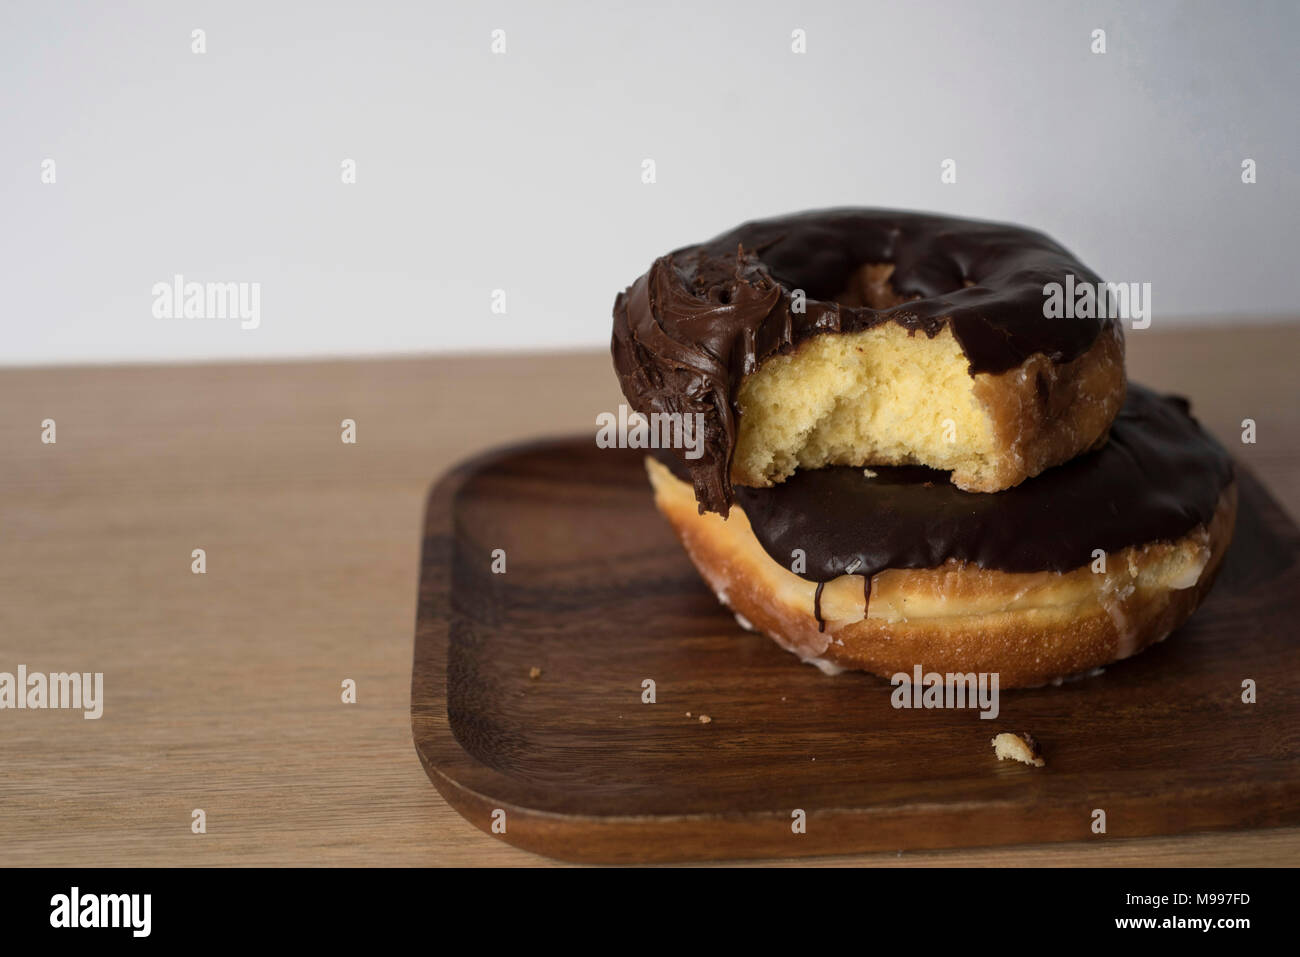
[599, 596]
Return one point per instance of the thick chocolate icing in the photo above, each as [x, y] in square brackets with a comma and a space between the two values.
[1158, 477]
[702, 318]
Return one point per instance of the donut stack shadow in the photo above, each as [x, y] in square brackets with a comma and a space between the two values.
[906, 460]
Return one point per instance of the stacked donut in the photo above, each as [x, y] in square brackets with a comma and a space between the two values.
[906, 461]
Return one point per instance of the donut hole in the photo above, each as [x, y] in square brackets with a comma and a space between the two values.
[882, 396]
[870, 286]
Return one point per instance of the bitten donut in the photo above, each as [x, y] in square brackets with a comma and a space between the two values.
[797, 340]
[887, 568]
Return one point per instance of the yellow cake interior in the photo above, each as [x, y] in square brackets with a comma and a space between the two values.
[882, 395]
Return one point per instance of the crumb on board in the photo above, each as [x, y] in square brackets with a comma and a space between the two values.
[688, 714]
[534, 672]
[705, 719]
[1018, 746]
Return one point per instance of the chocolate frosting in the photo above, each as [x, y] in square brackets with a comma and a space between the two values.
[704, 317]
[1158, 477]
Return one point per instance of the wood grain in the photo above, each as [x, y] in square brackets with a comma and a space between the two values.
[223, 690]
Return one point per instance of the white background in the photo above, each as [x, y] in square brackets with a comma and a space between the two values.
[523, 171]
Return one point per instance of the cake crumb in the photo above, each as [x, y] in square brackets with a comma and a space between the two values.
[705, 719]
[688, 714]
[534, 672]
[1018, 746]
[868, 473]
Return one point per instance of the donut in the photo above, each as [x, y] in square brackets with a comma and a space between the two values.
[796, 340]
[886, 568]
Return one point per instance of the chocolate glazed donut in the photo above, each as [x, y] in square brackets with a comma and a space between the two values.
[704, 317]
[1085, 564]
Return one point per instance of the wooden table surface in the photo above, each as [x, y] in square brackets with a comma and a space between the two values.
[222, 690]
